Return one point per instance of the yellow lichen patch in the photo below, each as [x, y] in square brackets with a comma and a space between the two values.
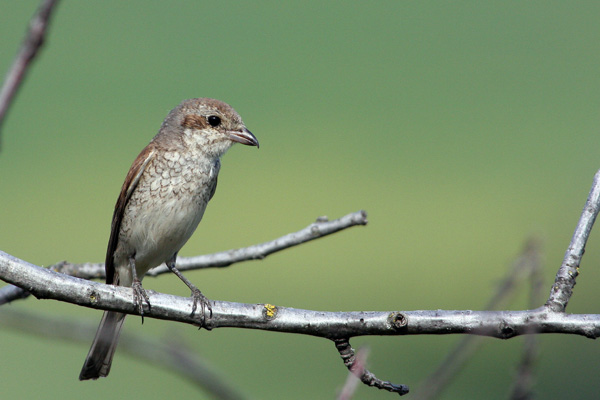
[270, 310]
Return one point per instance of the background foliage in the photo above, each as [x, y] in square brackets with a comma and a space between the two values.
[462, 128]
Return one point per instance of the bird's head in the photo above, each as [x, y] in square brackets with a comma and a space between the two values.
[208, 124]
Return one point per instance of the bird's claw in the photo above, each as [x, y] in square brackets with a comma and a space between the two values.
[198, 297]
[139, 297]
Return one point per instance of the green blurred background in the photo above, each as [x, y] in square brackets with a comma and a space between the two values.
[462, 128]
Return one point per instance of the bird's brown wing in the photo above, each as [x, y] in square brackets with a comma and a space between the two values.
[131, 181]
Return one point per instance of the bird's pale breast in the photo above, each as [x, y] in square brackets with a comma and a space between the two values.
[164, 210]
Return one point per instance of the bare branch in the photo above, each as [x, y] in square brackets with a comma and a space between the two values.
[318, 229]
[321, 228]
[31, 45]
[565, 278]
[44, 283]
[340, 326]
[47, 284]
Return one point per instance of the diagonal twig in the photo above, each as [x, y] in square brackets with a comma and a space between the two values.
[318, 229]
[562, 289]
[522, 388]
[34, 40]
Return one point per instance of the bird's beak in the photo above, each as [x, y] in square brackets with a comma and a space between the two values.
[244, 137]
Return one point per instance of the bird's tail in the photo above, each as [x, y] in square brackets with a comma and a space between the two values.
[99, 358]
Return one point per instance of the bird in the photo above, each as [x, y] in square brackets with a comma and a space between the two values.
[161, 203]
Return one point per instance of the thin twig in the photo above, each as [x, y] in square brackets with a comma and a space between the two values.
[38, 28]
[368, 378]
[10, 293]
[467, 346]
[524, 378]
[562, 289]
[318, 229]
[354, 375]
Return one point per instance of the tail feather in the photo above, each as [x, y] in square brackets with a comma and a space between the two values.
[98, 361]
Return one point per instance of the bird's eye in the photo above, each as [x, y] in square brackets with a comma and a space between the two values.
[213, 120]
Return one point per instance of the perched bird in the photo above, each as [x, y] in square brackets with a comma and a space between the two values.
[160, 205]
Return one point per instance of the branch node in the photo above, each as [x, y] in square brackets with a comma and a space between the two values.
[506, 330]
[398, 320]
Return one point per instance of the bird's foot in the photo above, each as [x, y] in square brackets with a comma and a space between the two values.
[198, 297]
[139, 297]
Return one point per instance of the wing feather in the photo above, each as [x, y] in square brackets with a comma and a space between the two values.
[131, 181]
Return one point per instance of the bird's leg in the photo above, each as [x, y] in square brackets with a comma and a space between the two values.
[139, 294]
[197, 295]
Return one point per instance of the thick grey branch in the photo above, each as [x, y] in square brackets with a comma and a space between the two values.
[565, 277]
[31, 45]
[44, 283]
